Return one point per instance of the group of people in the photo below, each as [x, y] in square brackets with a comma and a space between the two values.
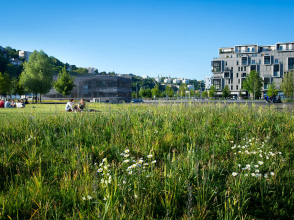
[272, 99]
[71, 107]
[12, 104]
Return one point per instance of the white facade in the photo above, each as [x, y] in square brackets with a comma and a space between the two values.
[207, 82]
[167, 80]
[176, 81]
[91, 70]
[185, 81]
[24, 54]
[145, 77]
[190, 87]
[15, 62]
[158, 80]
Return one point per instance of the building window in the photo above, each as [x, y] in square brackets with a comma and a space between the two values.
[232, 68]
[226, 63]
[291, 63]
[276, 61]
[253, 61]
[244, 68]
[238, 68]
[241, 68]
[231, 75]
[237, 75]
[244, 61]
[267, 60]
[231, 81]
[237, 87]
[231, 87]
[239, 81]
[259, 62]
[237, 62]
[216, 66]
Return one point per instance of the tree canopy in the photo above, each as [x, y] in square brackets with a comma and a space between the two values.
[287, 86]
[226, 92]
[272, 90]
[37, 76]
[64, 83]
[253, 84]
[212, 91]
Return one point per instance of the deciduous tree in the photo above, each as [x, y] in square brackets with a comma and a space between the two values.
[226, 92]
[4, 83]
[253, 84]
[212, 91]
[272, 90]
[37, 76]
[287, 86]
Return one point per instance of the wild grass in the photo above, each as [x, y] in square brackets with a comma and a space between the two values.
[186, 161]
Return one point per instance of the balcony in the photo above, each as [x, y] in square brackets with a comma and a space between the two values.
[216, 70]
[266, 86]
[276, 73]
[243, 75]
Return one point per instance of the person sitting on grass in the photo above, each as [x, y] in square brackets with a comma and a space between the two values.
[82, 105]
[69, 106]
[1, 103]
[8, 104]
[23, 103]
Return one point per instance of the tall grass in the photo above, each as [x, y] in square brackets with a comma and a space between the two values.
[186, 161]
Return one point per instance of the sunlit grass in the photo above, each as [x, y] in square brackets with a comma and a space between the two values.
[186, 161]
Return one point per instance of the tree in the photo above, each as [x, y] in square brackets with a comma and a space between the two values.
[226, 92]
[253, 84]
[272, 90]
[142, 92]
[64, 83]
[37, 76]
[155, 91]
[183, 89]
[169, 91]
[212, 91]
[192, 93]
[287, 86]
[4, 83]
[205, 94]
[148, 93]
[13, 87]
[198, 94]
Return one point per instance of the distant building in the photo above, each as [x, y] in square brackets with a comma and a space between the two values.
[24, 54]
[176, 81]
[185, 81]
[145, 77]
[207, 82]
[102, 87]
[15, 62]
[158, 80]
[1, 48]
[167, 80]
[91, 70]
[190, 87]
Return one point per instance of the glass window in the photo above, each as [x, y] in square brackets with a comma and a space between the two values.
[276, 61]
[290, 63]
[237, 87]
[241, 68]
[238, 68]
[237, 75]
[244, 68]
[253, 61]
[237, 62]
[259, 62]
[231, 87]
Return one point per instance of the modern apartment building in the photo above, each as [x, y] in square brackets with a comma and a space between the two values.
[235, 63]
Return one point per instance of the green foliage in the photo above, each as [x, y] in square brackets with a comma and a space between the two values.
[253, 84]
[192, 93]
[183, 89]
[287, 86]
[212, 91]
[226, 92]
[64, 83]
[205, 94]
[272, 90]
[155, 91]
[169, 91]
[37, 76]
[5, 83]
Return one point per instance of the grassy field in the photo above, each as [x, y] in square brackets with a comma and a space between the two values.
[186, 161]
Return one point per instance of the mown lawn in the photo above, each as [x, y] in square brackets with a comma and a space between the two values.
[186, 161]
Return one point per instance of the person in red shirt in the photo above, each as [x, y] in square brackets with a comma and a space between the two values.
[1, 103]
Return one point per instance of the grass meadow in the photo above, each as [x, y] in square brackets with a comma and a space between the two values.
[184, 161]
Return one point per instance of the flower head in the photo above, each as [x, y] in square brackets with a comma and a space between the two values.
[256, 166]
[127, 151]
[149, 156]
[260, 162]
[272, 173]
[126, 161]
[153, 162]
[89, 197]
[234, 174]
[100, 170]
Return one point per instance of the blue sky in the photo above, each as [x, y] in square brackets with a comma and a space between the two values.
[176, 38]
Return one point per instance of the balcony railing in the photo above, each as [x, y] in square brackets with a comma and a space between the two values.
[246, 51]
[265, 86]
[216, 70]
[284, 49]
[267, 62]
